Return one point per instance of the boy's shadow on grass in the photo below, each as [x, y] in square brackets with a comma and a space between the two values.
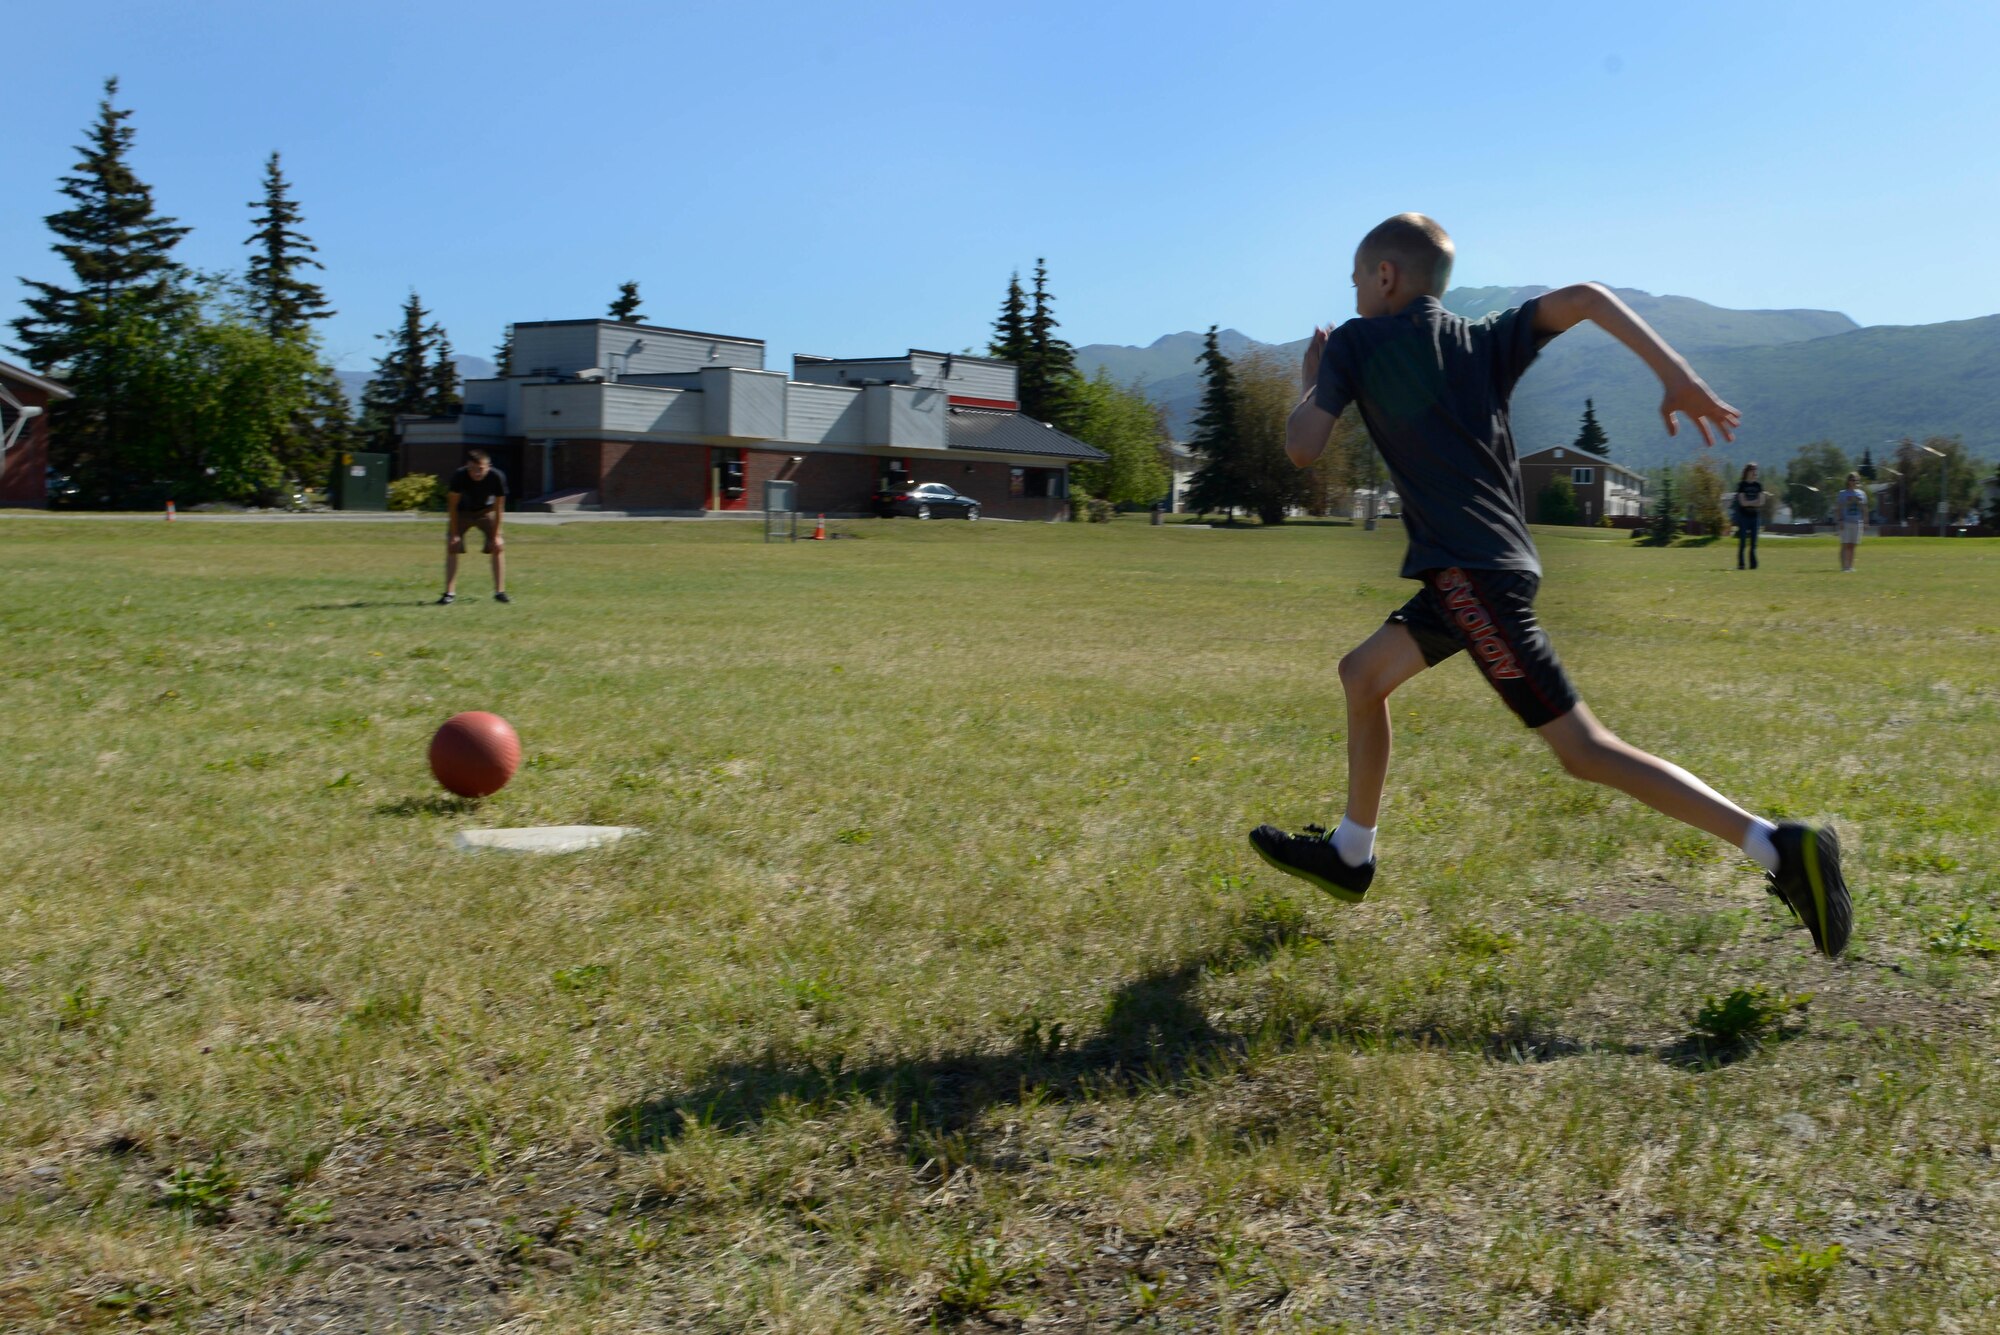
[364, 603]
[435, 805]
[1154, 1035]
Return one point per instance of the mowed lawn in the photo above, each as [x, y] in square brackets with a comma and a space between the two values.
[943, 989]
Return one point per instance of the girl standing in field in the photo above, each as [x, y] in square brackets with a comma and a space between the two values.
[1747, 505]
[1850, 510]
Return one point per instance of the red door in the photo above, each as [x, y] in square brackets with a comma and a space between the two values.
[727, 489]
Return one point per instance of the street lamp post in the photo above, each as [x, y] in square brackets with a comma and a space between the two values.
[1944, 490]
[1902, 491]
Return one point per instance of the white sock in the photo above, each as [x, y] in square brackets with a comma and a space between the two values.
[1758, 843]
[1354, 843]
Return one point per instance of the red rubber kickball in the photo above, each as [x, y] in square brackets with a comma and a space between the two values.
[475, 753]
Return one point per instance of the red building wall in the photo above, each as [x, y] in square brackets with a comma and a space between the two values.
[24, 479]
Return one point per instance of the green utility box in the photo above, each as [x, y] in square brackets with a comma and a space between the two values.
[360, 482]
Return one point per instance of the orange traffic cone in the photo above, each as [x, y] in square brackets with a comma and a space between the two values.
[819, 532]
[170, 512]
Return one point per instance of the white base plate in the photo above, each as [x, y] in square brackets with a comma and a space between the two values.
[543, 838]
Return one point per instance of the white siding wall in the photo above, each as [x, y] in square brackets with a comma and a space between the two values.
[743, 404]
[901, 416]
[984, 380]
[824, 414]
[975, 379]
[563, 349]
[581, 409]
[853, 373]
[629, 349]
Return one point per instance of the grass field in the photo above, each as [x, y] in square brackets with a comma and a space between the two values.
[944, 989]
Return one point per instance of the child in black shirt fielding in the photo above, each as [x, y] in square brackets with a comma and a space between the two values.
[1433, 390]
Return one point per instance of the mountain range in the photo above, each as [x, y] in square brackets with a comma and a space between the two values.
[1795, 375]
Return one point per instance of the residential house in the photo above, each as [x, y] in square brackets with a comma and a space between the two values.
[1602, 487]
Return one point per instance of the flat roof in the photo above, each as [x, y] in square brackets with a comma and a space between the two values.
[899, 357]
[647, 328]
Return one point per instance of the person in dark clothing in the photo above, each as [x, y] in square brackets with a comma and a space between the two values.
[475, 498]
[1746, 506]
[1433, 389]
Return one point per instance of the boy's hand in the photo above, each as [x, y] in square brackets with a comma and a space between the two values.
[1309, 368]
[1687, 394]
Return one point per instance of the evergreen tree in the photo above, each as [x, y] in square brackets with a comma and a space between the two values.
[1218, 483]
[1665, 523]
[1051, 388]
[1591, 437]
[91, 334]
[322, 428]
[1010, 331]
[503, 356]
[280, 297]
[441, 380]
[625, 309]
[119, 249]
[1867, 467]
[403, 380]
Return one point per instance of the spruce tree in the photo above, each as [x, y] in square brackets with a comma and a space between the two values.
[1665, 523]
[120, 250]
[1010, 330]
[1218, 483]
[1867, 468]
[403, 380]
[1591, 437]
[441, 396]
[1051, 388]
[280, 297]
[625, 309]
[125, 284]
[503, 356]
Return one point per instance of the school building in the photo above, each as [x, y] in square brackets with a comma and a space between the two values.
[602, 415]
[1602, 487]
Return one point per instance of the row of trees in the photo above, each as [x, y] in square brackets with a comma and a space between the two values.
[1239, 435]
[198, 386]
[1118, 419]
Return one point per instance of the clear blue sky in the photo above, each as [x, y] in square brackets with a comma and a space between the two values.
[856, 178]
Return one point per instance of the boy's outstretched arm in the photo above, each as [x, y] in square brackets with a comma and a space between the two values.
[1567, 307]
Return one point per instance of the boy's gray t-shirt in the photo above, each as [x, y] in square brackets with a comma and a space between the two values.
[1433, 388]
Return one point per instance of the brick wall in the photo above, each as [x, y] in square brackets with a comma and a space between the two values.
[989, 484]
[649, 475]
[25, 479]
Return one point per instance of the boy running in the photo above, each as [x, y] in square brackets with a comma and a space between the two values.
[475, 498]
[1433, 391]
[1850, 510]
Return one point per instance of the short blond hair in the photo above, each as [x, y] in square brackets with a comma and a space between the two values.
[1416, 245]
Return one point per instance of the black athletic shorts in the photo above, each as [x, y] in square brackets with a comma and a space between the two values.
[1492, 614]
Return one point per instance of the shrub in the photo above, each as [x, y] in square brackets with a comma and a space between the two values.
[1556, 504]
[418, 491]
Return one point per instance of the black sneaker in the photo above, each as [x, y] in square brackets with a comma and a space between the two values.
[502, 597]
[447, 600]
[1311, 857]
[1809, 882]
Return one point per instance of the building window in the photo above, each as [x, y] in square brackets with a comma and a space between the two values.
[1583, 477]
[1035, 483]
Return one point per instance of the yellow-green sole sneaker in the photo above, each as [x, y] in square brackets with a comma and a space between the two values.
[1311, 858]
[1810, 883]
